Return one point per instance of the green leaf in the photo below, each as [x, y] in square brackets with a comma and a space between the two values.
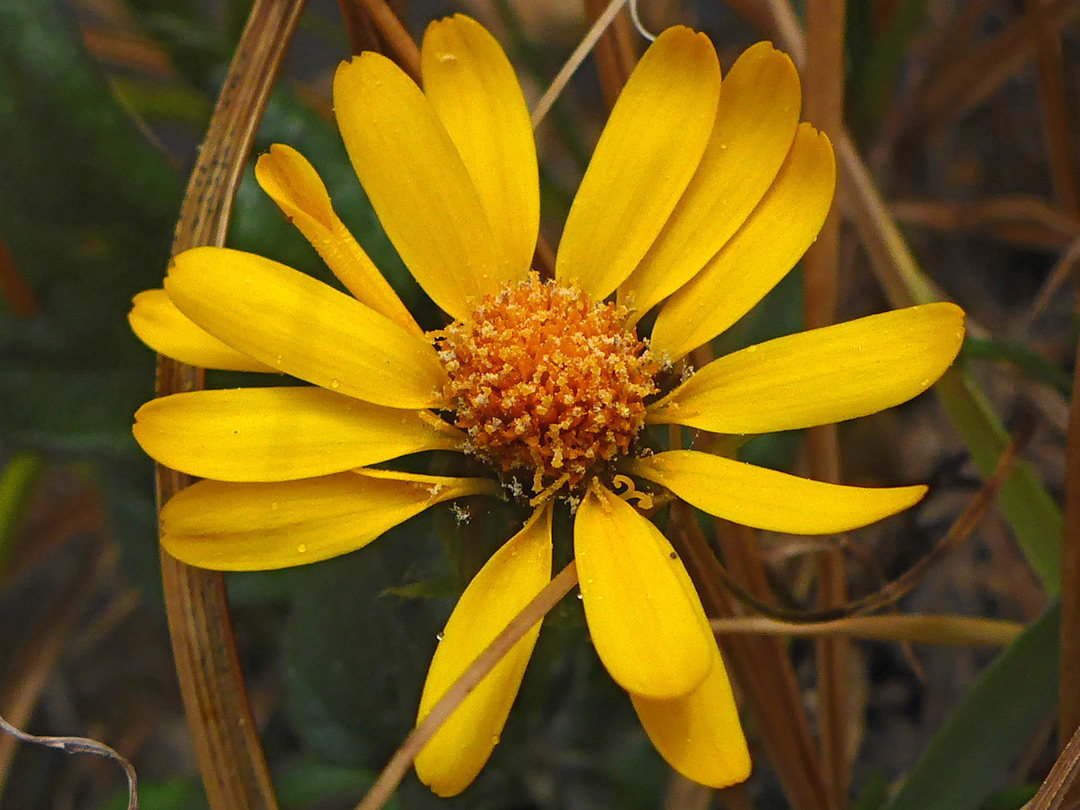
[968, 757]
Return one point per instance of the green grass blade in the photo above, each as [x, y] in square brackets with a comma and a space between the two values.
[969, 757]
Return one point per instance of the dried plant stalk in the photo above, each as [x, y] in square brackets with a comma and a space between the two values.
[760, 666]
[615, 55]
[230, 756]
[824, 82]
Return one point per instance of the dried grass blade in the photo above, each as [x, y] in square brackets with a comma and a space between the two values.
[954, 630]
[615, 55]
[82, 745]
[359, 27]
[1058, 142]
[1023, 501]
[1055, 108]
[760, 666]
[34, 658]
[231, 760]
[1025, 220]
[824, 83]
[403, 49]
[975, 75]
[1060, 784]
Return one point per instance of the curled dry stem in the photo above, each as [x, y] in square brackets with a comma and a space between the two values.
[892, 591]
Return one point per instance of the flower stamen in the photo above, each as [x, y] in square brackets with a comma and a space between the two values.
[548, 382]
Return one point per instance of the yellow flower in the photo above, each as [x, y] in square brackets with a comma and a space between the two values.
[698, 199]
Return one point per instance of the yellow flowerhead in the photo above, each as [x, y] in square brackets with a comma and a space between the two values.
[698, 199]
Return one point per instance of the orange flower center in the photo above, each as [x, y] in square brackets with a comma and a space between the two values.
[547, 382]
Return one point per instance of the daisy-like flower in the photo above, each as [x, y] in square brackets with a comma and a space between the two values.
[699, 198]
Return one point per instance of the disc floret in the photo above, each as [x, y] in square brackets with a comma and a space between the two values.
[547, 381]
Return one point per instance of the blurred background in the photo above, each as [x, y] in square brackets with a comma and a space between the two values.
[963, 111]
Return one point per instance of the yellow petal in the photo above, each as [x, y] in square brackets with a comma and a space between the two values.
[652, 639]
[470, 83]
[775, 236]
[771, 500]
[643, 161]
[755, 125]
[291, 182]
[820, 376]
[157, 322]
[699, 734]
[281, 434]
[504, 586]
[263, 526]
[300, 326]
[417, 183]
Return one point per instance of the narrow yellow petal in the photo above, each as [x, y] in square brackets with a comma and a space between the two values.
[771, 500]
[157, 322]
[417, 183]
[291, 182]
[300, 326]
[651, 637]
[504, 586]
[264, 526]
[281, 434]
[820, 376]
[774, 237]
[755, 125]
[472, 86]
[699, 734]
[645, 157]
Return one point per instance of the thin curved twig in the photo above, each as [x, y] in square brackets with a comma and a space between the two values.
[402, 759]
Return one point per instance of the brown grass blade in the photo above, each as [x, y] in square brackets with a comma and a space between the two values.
[1024, 220]
[402, 48]
[760, 666]
[615, 54]
[402, 759]
[231, 760]
[358, 27]
[1064, 268]
[823, 82]
[974, 75]
[1058, 141]
[1055, 108]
